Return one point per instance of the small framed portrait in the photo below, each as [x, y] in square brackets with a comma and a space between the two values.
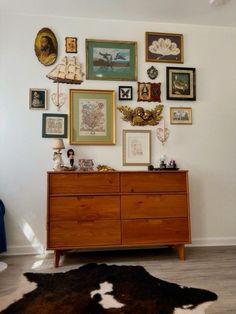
[54, 125]
[45, 46]
[164, 47]
[181, 83]
[38, 98]
[71, 44]
[180, 115]
[125, 93]
[86, 164]
[149, 91]
[136, 147]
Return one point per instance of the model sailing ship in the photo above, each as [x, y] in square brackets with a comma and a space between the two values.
[67, 71]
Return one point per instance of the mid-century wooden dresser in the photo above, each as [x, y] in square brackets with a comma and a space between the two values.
[120, 209]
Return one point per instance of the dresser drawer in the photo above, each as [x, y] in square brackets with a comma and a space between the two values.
[152, 182]
[81, 234]
[73, 183]
[84, 207]
[154, 206]
[155, 231]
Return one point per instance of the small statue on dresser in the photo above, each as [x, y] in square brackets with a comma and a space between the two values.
[71, 157]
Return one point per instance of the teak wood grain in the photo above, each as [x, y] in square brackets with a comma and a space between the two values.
[117, 210]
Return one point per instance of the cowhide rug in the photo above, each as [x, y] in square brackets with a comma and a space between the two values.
[101, 289]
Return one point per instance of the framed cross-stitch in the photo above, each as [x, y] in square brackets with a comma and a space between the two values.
[164, 47]
[54, 125]
[92, 117]
[136, 147]
[180, 115]
[181, 83]
[37, 98]
[111, 60]
[125, 92]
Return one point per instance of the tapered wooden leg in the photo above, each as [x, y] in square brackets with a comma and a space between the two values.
[181, 251]
[57, 255]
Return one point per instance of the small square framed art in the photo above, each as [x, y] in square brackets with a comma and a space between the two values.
[54, 125]
[37, 98]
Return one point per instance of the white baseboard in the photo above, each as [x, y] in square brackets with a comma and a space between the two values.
[217, 241]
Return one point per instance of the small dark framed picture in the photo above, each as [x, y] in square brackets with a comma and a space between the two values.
[125, 92]
[54, 125]
[149, 91]
[181, 83]
[37, 98]
[180, 115]
[71, 44]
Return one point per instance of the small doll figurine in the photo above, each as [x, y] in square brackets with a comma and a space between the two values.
[70, 155]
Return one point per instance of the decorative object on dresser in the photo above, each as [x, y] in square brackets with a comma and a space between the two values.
[86, 164]
[140, 116]
[149, 91]
[58, 145]
[119, 209]
[92, 116]
[180, 83]
[111, 60]
[164, 47]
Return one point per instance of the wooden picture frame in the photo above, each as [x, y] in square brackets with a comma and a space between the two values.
[180, 83]
[125, 92]
[38, 98]
[180, 115]
[149, 91]
[92, 117]
[136, 147]
[111, 60]
[164, 47]
[54, 125]
[71, 44]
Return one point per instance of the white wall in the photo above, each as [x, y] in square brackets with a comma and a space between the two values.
[207, 148]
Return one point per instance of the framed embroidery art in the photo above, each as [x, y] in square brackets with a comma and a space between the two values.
[92, 117]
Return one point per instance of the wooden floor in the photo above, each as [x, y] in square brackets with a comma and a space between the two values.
[212, 268]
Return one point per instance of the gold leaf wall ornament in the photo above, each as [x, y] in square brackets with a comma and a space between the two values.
[140, 116]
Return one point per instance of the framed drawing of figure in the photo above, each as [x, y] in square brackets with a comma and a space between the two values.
[45, 46]
[37, 98]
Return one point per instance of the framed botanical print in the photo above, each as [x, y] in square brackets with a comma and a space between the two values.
[111, 60]
[181, 83]
[54, 125]
[164, 47]
[92, 117]
[136, 147]
[180, 115]
[38, 98]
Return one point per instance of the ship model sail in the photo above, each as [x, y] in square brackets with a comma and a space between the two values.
[67, 71]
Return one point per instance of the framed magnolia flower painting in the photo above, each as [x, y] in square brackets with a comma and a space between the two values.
[164, 47]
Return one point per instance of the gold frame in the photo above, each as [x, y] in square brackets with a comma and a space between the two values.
[178, 39]
[72, 49]
[136, 158]
[82, 129]
[180, 120]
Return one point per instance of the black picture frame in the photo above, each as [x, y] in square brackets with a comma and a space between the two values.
[54, 125]
[125, 92]
[180, 83]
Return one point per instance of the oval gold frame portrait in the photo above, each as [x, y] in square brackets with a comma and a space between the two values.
[45, 46]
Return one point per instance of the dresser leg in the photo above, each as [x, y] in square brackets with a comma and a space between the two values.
[57, 254]
[181, 251]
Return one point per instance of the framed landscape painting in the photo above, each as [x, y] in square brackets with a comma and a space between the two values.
[164, 47]
[181, 83]
[92, 117]
[111, 60]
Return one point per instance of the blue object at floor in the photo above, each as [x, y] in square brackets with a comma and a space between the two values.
[3, 244]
